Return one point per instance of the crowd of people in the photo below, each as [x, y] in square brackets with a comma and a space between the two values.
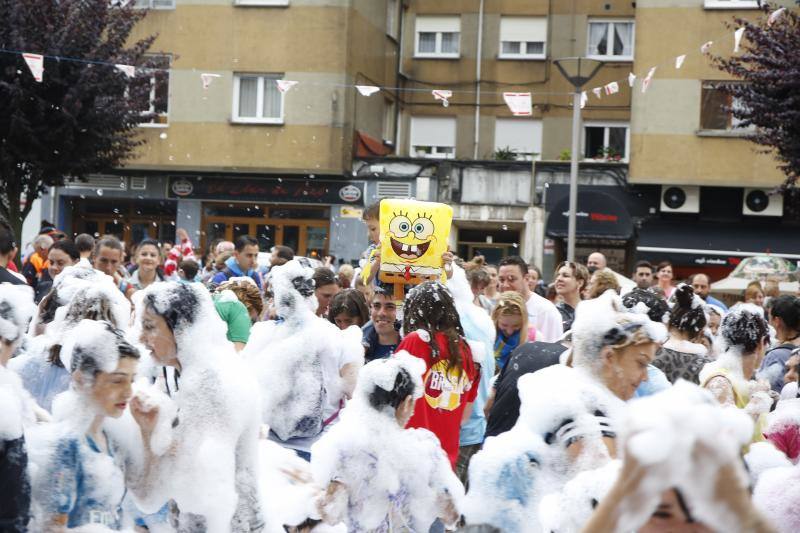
[162, 389]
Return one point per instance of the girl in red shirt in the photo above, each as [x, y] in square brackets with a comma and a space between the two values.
[434, 334]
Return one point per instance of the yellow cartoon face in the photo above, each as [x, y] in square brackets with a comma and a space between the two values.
[414, 232]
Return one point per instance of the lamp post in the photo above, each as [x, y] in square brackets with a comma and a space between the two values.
[578, 71]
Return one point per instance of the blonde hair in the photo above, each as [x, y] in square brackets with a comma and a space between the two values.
[752, 288]
[603, 281]
[510, 303]
[246, 292]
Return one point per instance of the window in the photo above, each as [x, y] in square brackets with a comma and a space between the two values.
[389, 111]
[523, 37]
[154, 4]
[433, 137]
[731, 4]
[392, 18]
[438, 37]
[156, 111]
[611, 40]
[256, 99]
[520, 135]
[716, 109]
[606, 141]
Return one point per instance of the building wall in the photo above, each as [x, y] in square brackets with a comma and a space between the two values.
[324, 44]
[667, 143]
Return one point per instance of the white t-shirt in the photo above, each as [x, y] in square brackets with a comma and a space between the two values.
[544, 316]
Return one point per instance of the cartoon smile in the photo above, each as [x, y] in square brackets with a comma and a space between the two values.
[409, 252]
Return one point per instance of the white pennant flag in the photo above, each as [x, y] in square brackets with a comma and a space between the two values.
[520, 104]
[775, 15]
[679, 61]
[737, 39]
[706, 47]
[631, 79]
[367, 90]
[584, 99]
[36, 65]
[648, 79]
[597, 91]
[128, 70]
[207, 78]
[612, 88]
[285, 85]
[443, 95]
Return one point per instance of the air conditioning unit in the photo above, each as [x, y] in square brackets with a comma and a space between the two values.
[760, 203]
[680, 199]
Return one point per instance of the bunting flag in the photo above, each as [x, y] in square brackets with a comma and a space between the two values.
[646, 81]
[128, 70]
[284, 86]
[597, 91]
[737, 39]
[208, 78]
[775, 15]
[520, 104]
[584, 99]
[631, 79]
[612, 88]
[443, 95]
[367, 90]
[35, 63]
[679, 61]
[706, 47]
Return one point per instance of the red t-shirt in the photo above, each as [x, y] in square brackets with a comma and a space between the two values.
[446, 393]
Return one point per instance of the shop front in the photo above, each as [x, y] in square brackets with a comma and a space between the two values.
[298, 213]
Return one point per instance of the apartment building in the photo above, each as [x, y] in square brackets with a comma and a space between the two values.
[716, 191]
[239, 156]
[473, 153]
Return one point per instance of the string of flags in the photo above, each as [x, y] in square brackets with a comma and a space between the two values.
[519, 103]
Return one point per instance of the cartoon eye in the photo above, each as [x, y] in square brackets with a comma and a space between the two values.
[400, 226]
[423, 228]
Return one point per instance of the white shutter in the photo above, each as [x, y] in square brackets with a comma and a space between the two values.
[438, 24]
[433, 131]
[100, 182]
[521, 135]
[391, 189]
[523, 29]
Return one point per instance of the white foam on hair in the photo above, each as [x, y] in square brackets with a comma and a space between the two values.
[18, 300]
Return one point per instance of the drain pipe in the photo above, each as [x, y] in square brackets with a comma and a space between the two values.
[478, 60]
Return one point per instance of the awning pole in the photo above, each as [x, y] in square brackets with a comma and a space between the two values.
[573, 175]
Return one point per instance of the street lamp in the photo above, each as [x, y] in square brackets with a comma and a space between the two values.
[578, 71]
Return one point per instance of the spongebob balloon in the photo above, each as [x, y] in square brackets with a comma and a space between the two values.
[413, 238]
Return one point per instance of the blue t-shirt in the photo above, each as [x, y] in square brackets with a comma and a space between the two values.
[85, 484]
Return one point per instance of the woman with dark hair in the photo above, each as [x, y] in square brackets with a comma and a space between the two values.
[325, 288]
[348, 308]
[83, 481]
[148, 260]
[664, 278]
[62, 254]
[214, 444]
[682, 356]
[434, 334]
[416, 484]
[785, 318]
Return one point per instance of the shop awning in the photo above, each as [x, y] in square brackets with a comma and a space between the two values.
[721, 239]
[599, 216]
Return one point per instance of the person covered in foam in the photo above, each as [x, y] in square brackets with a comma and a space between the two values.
[78, 293]
[16, 310]
[79, 474]
[205, 457]
[743, 340]
[306, 367]
[378, 476]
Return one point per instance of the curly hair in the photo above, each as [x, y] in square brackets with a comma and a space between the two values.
[247, 293]
[603, 280]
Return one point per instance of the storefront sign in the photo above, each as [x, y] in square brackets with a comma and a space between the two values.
[599, 216]
[350, 212]
[267, 190]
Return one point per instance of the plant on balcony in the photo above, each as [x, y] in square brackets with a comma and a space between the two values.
[565, 155]
[608, 153]
[82, 118]
[505, 154]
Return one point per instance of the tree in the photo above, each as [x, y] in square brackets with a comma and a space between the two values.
[83, 117]
[770, 97]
